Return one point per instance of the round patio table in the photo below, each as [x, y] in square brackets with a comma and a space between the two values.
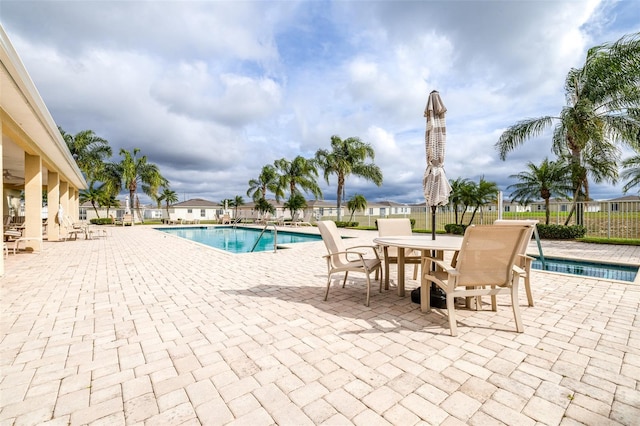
[419, 242]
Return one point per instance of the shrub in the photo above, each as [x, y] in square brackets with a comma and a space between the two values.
[561, 232]
[343, 224]
[454, 228]
[102, 221]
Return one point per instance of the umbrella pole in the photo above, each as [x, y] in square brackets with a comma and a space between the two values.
[433, 222]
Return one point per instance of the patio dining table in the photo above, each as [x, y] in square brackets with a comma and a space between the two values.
[419, 242]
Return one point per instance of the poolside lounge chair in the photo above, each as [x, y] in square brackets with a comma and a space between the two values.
[485, 266]
[351, 259]
[73, 229]
[306, 221]
[400, 227]
[226, 219]
[16, 237]
[523, 261]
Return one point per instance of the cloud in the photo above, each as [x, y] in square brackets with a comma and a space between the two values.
[213, 91]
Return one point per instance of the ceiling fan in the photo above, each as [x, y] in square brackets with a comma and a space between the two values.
[10, 178]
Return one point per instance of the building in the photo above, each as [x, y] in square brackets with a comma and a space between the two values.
[34, 157]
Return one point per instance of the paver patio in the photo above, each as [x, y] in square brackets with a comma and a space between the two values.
[145, 328]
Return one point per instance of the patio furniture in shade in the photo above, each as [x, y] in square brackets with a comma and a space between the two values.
[485, 267]
[400, 227]
[523, 261]
[351, 259]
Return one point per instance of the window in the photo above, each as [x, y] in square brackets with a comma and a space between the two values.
[382, 211]
[83, 214]
[203, 213]
[370, 211]
[507, 208]
[189, 211]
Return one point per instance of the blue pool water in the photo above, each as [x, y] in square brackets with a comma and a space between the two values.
[587, 269]
[238, 240]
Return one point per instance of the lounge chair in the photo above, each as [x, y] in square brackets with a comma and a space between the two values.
[485, 266]
[351, 259]
[523, 261]
[16, 237]
[226, 219]
[397, 228]
[306, 221]
[73, 229]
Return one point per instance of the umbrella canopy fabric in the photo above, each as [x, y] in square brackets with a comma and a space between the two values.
[435, 183]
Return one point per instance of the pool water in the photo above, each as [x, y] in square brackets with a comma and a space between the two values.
[239, 240]
[587, 269]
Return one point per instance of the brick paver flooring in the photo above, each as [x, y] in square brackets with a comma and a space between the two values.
[143, 328]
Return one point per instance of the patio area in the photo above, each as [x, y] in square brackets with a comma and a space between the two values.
[142, 327]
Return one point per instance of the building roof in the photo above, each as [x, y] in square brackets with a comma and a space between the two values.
[197, 202]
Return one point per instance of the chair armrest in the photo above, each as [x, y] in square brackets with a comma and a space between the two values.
[444, 267]
[372, 248]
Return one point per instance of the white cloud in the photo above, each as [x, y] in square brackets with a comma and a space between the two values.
[212, 91]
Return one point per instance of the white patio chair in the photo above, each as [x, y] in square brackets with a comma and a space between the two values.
[523, 261]
[351, 259]
[485, 266]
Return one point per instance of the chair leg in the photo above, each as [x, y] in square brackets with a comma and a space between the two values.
[368, 288]
[346, 274]
[516, 306]
[326, 295]
[451, 313]
[415, 271]
[527, 287]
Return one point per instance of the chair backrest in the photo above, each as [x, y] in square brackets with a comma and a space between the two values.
[399, 227]
[488, 253]
[531, 223]
[332, 240]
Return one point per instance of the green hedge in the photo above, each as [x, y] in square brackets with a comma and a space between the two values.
[546, 232]
[561, 232]
[343, 224]
[102, 221]
[453, 228]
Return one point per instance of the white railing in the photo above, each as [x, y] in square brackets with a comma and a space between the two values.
[604, 219]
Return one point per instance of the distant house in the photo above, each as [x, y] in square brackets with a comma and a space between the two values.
[195, 209]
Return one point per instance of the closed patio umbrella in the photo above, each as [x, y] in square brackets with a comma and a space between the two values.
[435, 183]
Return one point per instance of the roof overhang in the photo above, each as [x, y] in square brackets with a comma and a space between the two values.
[27, 125]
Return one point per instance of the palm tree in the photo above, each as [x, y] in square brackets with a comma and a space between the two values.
[457, 196]
[235, 203]
[298, 173]
[89, 150]
[632, 172]
[549, 179]
[94, 195]
[355, 203]
[296, 202]
[132, 172]
[169, 197]
[109, 201]
[267, 181]
[601, 112]
[482, 193]
[347, 157]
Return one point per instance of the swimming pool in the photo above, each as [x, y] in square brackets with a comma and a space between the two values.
[583, 268]
[238, 239]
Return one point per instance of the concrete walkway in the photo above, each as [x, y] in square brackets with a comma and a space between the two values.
[144, 328]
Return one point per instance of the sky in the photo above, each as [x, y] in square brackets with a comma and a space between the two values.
[212, 91]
